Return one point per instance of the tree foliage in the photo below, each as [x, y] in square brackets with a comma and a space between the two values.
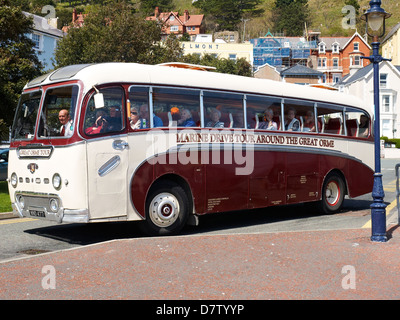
[110, 33]
[289, 16]
[229, 13]
[18, 61]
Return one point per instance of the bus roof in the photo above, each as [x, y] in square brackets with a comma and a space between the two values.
[102, 73]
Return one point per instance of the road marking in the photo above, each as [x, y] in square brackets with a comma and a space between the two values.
[16, 220]
[388, 209]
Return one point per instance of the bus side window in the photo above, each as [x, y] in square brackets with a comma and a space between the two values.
[258, 111]
[357, 123]
[139, 103]
[223, 110]
[332, 118]
[177, 107]
[299, 116]
[110, 118]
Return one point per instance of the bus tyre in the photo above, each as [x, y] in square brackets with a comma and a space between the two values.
[167, 210]
[333, 192]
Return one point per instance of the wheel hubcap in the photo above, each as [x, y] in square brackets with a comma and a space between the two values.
[332, 193]
[164, 209]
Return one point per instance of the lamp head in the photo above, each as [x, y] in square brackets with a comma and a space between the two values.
[375, 18]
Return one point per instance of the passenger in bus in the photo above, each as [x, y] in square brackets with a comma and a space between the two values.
[309, 123]
[214, 122]
[186, 119]
[135, 119]
[291, 123]
[114, 121]
[363, 129]
[67, 125]
[238, 121]
[268, 123]
[98, 124]
[145, 119]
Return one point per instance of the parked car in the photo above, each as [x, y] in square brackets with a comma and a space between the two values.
[3, 164]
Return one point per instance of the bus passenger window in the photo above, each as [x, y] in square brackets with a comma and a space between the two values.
[331, 118]
[357, 123]
[263, 113]
[177, 107]
[223, 110]
[139, 103]
[110, 118]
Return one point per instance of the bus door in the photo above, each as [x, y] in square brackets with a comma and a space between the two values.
[267, 183]
[107, 155]
[302, 177]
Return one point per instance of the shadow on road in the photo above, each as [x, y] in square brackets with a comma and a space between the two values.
[84, 234]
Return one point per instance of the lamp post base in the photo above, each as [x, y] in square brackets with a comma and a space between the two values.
[378, 211]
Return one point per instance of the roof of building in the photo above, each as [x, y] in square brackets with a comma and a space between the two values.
[42, 25]
[391, 33]
[186, 19]
[299, 70]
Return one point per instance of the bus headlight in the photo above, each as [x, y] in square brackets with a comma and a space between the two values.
[14, 180]
[56, 181]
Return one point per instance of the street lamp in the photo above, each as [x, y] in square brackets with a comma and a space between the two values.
[375, 24]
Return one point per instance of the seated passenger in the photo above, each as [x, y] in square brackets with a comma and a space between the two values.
[135, 119]
[291, 123]
[215, 115]
[114, 121]
[98, 124]
[186, 119]
[268, 123]
[145, 120]
[238, 120]
[309, 123]
[363, 129]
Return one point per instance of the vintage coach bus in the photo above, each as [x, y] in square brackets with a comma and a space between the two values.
[164, 145]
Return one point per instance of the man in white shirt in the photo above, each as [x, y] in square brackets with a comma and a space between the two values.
[67, 125]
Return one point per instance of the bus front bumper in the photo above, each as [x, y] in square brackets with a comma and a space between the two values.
[47, 207]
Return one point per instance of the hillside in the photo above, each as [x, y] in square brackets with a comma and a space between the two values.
[326, 16]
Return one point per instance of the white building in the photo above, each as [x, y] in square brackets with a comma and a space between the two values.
[361, 84]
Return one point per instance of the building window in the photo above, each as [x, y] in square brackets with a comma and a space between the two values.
[232, 56]
[174, 28]
[321, 48]
[356, 61]
[383, 80]
[335, 48]
[356, 46]
[36, 40]
[321, 62]
[386, 103]
[335, 63]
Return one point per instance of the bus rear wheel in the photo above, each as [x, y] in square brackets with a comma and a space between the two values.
[333, 191]
[167, 209]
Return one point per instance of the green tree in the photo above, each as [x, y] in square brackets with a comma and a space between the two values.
[110, 33]
[289, 16]
[229, 13]
[18, 60]
[147, 6]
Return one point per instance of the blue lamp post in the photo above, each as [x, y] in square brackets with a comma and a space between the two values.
[375, 24]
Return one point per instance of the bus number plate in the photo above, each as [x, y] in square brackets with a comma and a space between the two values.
[37, 213]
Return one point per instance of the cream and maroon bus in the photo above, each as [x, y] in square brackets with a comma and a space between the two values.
[165, 145]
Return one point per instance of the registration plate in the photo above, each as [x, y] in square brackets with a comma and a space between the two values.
[37, 213]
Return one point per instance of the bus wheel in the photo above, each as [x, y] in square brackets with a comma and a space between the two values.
[167, 210]
[333, 192]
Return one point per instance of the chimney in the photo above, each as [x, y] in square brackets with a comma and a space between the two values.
[186, 16]
[156, 12]
[74, 15]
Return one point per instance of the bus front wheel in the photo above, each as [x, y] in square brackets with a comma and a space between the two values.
[333, 192]
[167, 209]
